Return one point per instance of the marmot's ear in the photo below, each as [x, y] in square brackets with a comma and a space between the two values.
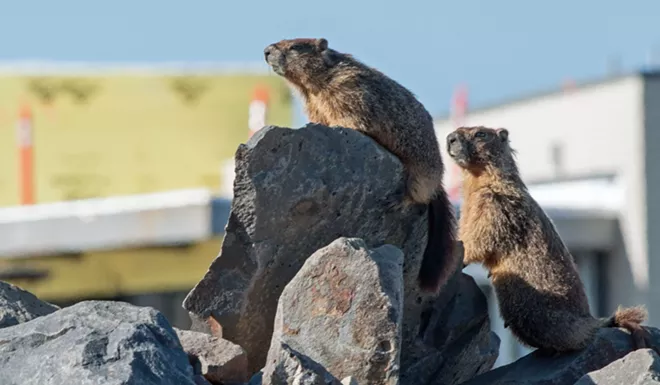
[330, 57]
[322, 44]
[503, 133]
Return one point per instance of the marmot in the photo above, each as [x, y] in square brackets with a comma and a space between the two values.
[338, 90]
[540, 293]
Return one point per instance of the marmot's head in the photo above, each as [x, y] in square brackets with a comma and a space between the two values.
[475, 148]
[301, 61]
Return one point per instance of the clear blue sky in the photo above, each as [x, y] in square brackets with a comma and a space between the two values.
[500, 49]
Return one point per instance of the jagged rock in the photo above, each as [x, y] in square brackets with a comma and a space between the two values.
[458, 339]
[609, 345]
[295, 368]
[641, 367]
[94, 342]
[219, 360]
[296, 191]
[18, 306]
[343, 310]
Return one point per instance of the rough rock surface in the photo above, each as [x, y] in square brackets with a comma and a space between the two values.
[459, 344]
[18, 306]
[219, 360]
[609, 345]
[295, 368]
[94, 342]
[343, 310]
[296, 191]
[641, 367]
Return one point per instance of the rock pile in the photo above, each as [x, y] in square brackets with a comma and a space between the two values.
[315, 285]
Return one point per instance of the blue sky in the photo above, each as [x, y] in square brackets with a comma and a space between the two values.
[500, 49]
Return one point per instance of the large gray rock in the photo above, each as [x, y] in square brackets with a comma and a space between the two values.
[343, 310]
[458, 342]
[94, 342]
[641, 367]
[295, 191]
[219, 360]
[609, 345]
[18, 306]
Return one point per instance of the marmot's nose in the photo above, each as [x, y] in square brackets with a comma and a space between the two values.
[267, 51]
[452, 138]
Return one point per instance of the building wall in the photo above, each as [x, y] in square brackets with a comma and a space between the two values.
[134, 132]
[651, 172]
[586, 124]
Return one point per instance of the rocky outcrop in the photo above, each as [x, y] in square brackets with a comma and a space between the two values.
[343, 310]
[609, 345]
[296, 191]
[94, 342]
[218, 360]
[18, 306]
[641, 367]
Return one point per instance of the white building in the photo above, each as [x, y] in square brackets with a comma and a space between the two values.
[589, 156]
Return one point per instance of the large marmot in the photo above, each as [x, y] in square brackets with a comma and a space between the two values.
[338, 90]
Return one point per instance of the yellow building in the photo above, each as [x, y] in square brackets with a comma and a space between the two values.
[100, 131]
[153, 143]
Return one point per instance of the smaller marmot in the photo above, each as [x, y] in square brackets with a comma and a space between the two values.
[540, 294]
[338, 90]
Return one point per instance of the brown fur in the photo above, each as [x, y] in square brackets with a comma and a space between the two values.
[541, 296]
[338, 90]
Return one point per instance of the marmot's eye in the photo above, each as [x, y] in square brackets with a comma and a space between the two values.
[300, 47]
[480, 134]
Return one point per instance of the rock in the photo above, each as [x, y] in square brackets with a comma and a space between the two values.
[609, 345]
[205, 325]
[343, 310]
[349, 381]
[296, 191]
[18, 306]
[200, 380]
[641, 367]
[94, 342]
[219, 360]
[458, 339]
[294, 368]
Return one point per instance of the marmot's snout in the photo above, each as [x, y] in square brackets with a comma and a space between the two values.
[273, 57]
[456, 148]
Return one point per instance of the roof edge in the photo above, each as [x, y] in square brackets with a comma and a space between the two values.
[57, 67]
[644, 73]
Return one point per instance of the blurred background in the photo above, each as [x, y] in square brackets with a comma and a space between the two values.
[119, 121]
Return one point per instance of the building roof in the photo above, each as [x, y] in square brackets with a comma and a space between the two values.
[56, 67]
[578, 86]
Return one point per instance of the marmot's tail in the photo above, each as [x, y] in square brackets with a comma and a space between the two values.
[630, 318]
[439, 261]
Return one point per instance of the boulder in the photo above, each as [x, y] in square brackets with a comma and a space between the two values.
[641, 367]
[458, 343]
[94, 342]
[296, 191]
[609, 345]
[18, 306]
[219, 360]
[343, 310]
